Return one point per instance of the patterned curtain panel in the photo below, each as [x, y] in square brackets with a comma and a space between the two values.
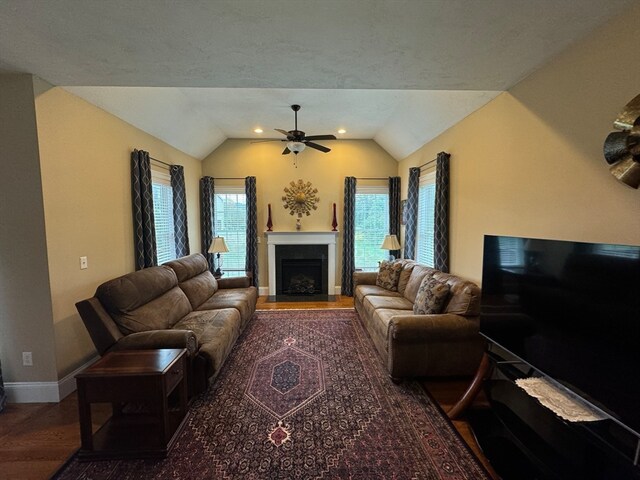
[179, 210]
[206, 218]
[252, 228]
[441, 222]
[144, 230]
[411, 213]
[3, 395]
[348, 232]
[394, 211]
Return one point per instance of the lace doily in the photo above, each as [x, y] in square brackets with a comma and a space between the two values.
[559, 401]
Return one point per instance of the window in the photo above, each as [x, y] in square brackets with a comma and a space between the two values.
[163, 214]
[426, 219]
[371, 226]
[230, 222]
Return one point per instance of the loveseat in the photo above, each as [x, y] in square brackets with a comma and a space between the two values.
[177, 305]
[445, 343]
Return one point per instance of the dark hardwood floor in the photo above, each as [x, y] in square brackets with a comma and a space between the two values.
[36, 439]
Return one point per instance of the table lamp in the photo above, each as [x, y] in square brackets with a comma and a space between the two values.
[390, 243]
[218, 246]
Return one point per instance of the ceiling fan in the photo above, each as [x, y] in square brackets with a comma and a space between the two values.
[297, 140]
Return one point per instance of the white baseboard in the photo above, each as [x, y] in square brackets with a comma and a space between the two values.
[44, 392]
[32, 392]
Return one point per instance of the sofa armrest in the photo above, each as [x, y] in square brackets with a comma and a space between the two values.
[436, 328]
[364, 278]
[159, 339]
[234, 282]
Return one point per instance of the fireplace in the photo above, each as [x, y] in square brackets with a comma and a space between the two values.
[301, 269]
[297, 242]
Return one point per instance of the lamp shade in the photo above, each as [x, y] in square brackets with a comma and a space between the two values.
[218, 245]
[390, 243]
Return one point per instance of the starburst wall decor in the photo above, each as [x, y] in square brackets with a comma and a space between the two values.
[300, 198]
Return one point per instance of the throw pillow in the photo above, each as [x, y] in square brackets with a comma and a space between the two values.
[431, 297]
[388, 275]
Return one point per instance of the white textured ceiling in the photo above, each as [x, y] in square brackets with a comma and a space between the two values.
[397, 71]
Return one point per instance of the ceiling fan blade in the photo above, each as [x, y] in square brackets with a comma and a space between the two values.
[286, 151]
[284, 132]
[317, 147]
[321, 137]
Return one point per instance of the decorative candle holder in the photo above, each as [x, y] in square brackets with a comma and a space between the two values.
[334, 223]
[269, 222]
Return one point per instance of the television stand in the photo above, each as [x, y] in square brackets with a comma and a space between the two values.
[525, 440]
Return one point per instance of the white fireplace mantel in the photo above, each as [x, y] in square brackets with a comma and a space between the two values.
[302, 238]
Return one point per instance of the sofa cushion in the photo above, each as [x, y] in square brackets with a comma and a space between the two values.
[159, 314]
[364, 290]
[431, 297]
[130, 291]
[242, 299]
[374, 302]
[189, 266]
[417, 274]
[464, 298]
[216, 332]
[405, 274]
[148, 299]
[380, 322]
[388, 275]
[199, 288]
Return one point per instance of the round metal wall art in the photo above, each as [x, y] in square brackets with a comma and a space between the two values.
[300, 198]
[622, 148]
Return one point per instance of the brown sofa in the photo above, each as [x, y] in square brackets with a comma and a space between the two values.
[177, 305]
[414, 345]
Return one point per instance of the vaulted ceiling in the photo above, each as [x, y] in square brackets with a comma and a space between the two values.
[194, 73]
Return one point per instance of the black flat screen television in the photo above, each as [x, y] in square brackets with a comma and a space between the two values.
[571, 310]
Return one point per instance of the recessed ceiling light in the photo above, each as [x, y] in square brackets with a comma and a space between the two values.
[258, 130]
[342, 130]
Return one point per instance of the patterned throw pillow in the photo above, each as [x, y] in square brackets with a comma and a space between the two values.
[388, 275]
[431, 297]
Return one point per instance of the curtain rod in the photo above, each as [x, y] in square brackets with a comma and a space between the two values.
[372, 178]
[160, 161]
[428, 163]
[229, 178]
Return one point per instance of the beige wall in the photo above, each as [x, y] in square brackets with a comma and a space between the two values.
[25, 301]
[530, 162]
[85, 160]
[273, 172]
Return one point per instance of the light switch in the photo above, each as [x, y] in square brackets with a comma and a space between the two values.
[83, 263]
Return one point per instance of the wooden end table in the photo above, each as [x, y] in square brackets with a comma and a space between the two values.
[148, 393]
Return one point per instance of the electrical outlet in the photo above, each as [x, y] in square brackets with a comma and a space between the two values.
[83, 263]
[27, 359]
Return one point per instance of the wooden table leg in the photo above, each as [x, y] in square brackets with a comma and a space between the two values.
[84, 412]
[484, 370]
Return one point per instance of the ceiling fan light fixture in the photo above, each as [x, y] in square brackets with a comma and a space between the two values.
[296, 147]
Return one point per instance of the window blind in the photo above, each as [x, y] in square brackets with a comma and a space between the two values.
[230, 222]
[371, 226]
[163, 213]
[426, 218]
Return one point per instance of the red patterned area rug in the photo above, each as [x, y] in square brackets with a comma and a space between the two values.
[304, 395]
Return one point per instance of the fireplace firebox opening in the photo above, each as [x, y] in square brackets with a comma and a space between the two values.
[301, 270]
